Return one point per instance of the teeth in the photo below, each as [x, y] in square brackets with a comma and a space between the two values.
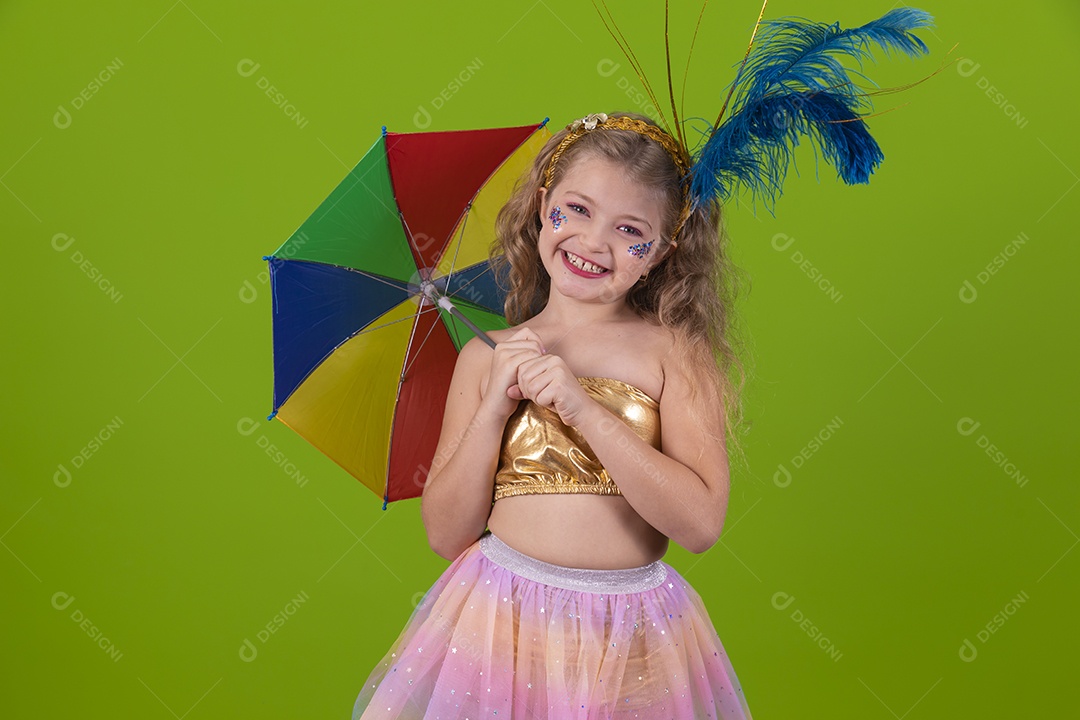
[584, 264]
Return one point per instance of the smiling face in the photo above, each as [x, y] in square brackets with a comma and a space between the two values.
[596, 213]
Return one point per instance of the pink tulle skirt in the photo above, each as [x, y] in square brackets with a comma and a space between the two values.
[503, 635]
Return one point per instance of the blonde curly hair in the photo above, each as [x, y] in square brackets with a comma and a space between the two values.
[692, 291]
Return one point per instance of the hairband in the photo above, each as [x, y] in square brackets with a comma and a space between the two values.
[790, 83]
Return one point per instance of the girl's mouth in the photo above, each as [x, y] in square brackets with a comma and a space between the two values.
[580, 270]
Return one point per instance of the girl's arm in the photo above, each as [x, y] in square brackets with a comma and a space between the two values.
[460, 488]
[683, 491]
[457, 496]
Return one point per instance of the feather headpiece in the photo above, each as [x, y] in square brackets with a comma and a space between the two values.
[790, 83]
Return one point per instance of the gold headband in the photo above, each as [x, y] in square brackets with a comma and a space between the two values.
[600, 120]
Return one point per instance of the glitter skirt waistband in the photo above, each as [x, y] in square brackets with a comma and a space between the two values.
[628, 580]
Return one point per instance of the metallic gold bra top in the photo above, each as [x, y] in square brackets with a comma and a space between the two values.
[540, 454]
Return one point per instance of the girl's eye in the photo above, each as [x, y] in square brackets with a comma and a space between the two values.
[581, 210]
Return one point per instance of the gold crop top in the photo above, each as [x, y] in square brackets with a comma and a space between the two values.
[541, 454]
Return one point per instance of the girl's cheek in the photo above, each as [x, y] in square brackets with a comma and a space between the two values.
[557, 218]
[640, 250]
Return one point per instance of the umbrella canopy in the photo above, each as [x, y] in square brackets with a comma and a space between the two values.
[363, 357]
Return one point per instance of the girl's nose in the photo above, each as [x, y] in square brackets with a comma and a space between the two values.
[590, 239]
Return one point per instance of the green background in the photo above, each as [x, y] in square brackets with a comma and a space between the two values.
[859, 585]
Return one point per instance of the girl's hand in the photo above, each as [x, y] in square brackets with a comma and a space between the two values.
[548, 382]
[502, 396]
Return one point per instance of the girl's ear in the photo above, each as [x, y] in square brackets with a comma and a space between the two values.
[542, 192]
[661, 258]
[667, 251]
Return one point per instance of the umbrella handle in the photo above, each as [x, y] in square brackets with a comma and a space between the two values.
[445, 304]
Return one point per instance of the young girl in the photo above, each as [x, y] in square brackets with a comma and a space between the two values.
[594, 433]
[591, 436]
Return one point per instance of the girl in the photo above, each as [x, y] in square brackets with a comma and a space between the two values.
[595, 431]
[591, 436]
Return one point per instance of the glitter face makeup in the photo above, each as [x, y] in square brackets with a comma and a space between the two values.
[557, 218]
[641, 249]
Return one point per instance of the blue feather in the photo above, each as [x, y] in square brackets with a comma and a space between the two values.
[793, 84]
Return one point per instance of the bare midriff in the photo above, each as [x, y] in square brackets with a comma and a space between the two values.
[577, 530]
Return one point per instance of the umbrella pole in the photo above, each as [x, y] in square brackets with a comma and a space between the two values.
[443, 301]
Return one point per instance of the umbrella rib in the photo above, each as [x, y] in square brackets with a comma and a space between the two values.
[405, 370]
[457, 245]
[457, 248]
[401, 381]
[396, 284]
[465, 284]
[369, 328]
[408, 367]
[453, 262]
[373, 276]
[409, 236]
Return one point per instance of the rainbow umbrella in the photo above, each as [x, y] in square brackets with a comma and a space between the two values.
[376, 292]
